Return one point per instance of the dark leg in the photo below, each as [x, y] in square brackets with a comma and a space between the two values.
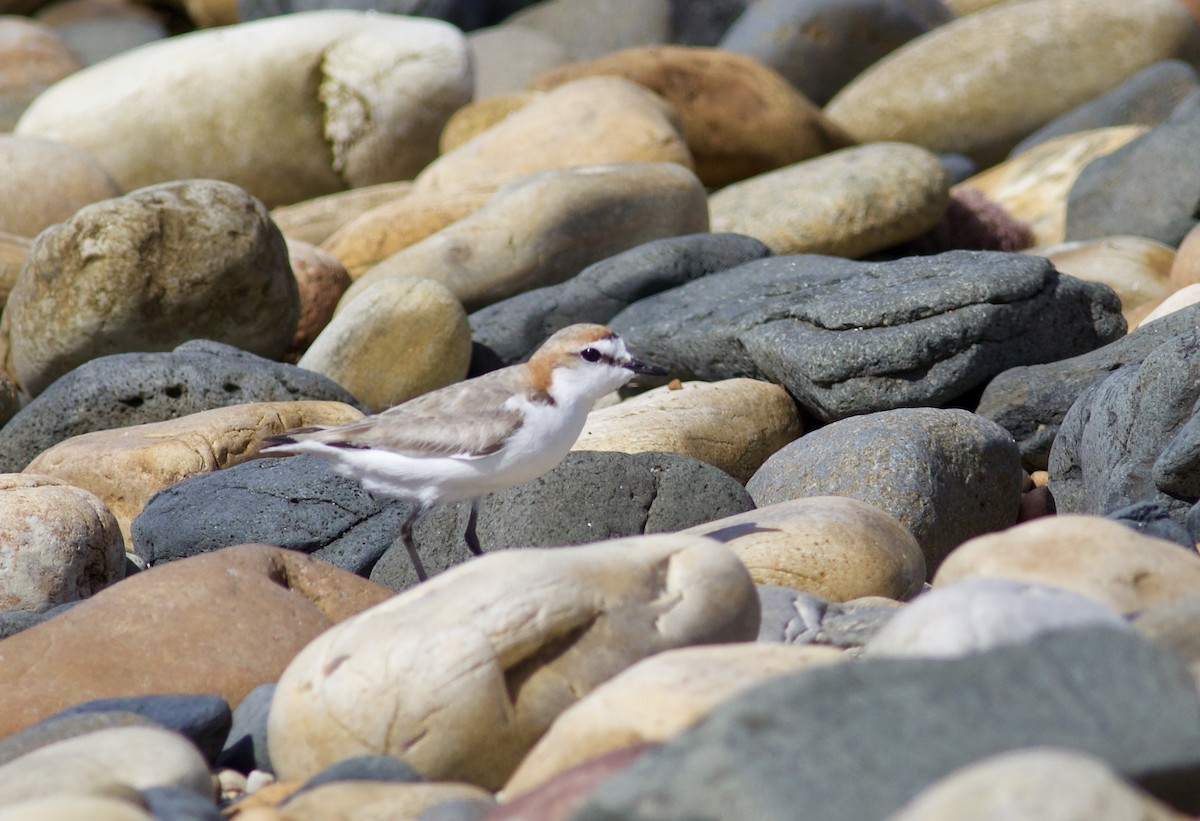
[406, 534]
[471, 537]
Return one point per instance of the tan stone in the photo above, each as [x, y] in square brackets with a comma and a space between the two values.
[1185, 296]
[33, 57]
[1138, 269]
[965, 87]
[655, 700]
[848, 203]
[402, 338]
[66, 806]
[508, 56]
[475, 118]
[321, 281]
[739, 117]
[1034, 185]
[378, 800]
[13, 251]
[544, 228]
[126, 466]
[472, 666]
[734, 424]
[588, 122]
[1185, 270]
[833, 546]
[1090, 555]
[45, 182]
[316, 219]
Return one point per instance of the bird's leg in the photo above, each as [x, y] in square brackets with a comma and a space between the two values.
[471, 537]
[406, 533]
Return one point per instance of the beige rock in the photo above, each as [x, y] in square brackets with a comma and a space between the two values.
[1034, 185]
[33, 57]
[1185, 270]
[965, 86]
[289, 108]
[321, 280]
[58, 543]
[60, 807]
[207, 13]
[472, 666]
[1138, 269]
[379, 801]
[544, 228]
[592, 121]
[45, 182]
[232, 619]
[1185, 296]
[848, 203]
[402, 338]
[315, 220]
[508, 56]
[655, 700]
[475, 118]
[836, 547]
[739, 117]
[126, 466]
[734, 424]
[590, 28]
[13, 251]
[1090, 555]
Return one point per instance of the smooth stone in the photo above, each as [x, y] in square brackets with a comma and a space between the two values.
[135, 388]
[289, 598]
[513, 328]
[847, 337]
[35, 57]
[791, 616]
[380, 768]
[202, 719]
[963, 87]
[66, 725]
[1147, 98]
[821, 45]
[177, 804]
[979, 614]
[1048, 783]
[1153, 519]
[125, 467]
[1146, 188]
[471, 711]
[13, 251]
[380, 800]
[656, 699]
[245, 748]
[1089, 555]
[848, 203]
[1136, 268]
[971, 222]
[95, 30]
[288, 108]
[465, 14]
[1186, 269]
[590, 28]
[640, 493]
[477, 117]
[891, 727]
[321, 280]
[739, 117]
[66, 806]
[507, 57]
[1185, 297]
[149, 271]
[401, 337]
[298, 503]
[834, 547]
[735, 424]
[315, 220]
[593, 121]
[1171, 626]
[45, 182]
[58, 543]
[528, 234]
[945, 474]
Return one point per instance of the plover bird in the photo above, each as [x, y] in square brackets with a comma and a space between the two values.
[497, 430]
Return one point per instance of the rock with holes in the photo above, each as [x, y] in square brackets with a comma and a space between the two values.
[472, 667]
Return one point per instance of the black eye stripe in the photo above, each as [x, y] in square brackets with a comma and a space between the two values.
[595, 356]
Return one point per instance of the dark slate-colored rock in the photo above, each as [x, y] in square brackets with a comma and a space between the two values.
[14, 621]
[178, 804]
[135, 388]
[1031, 401]
[847, 337]
[821, 45]
[514, 327]
[62, 726]
[1153, 519]
[246, 745]
[296, 502]
[703, 22]
[1134, 436]
[204, 719]
[794, 617]
[1146, 98]
[947, 475]
[1149, 187]
[362, 768]
[590, 497]
[849, 742]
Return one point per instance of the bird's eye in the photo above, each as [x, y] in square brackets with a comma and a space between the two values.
[590, 355]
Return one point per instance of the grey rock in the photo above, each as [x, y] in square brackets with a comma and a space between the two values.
[847, 337]
[591, 496]
[204, 719]
[1031, 401]
[246, 744]
[794, 617]
[62, 726]
[514, 327]
[362, 768]
[134, 388]
[14, 621]
[1153, 519]
[703, 22]
[947, 475]
[857, 741]
[1149, 187]
[178, 804]
[1146, 98]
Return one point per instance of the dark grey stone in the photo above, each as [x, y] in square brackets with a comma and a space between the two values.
[1031, 401]
[590, 497]
[14, 621]
[1152, 519]
[821, 45]
[1149, 187]
[362, 768]
[178, 804]
[134, 388]
[1146, 98]
[857, 741]
[847, 337]
[62, 726]
[793, 617]
[1134, 436]
[204, 719]
[947, 475]
[246, 745]
[703, 22]
[514, 327]
[296, 502]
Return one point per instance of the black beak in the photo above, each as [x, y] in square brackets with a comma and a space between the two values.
[638, 366]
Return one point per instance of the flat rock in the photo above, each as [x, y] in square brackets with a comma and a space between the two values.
[148, 271]
[848, 203]
[46, 182]
[500, 676]
[512, 328]
[946, 475]
[847, 337]
[121, 390]
[900, 725]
